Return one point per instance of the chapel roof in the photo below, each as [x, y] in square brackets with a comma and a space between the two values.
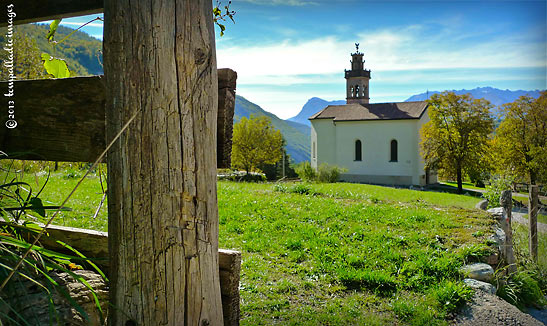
[375, 111]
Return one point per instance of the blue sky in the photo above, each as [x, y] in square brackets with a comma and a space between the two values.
[287, 51]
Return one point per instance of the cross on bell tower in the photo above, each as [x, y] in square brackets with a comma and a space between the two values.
[357, 79]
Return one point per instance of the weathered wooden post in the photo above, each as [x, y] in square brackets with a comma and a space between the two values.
[506, 202]
[159, 59]
[533, 204]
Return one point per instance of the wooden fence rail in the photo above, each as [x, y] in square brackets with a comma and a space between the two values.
[64, 119]
[32, 11]
[94, 244]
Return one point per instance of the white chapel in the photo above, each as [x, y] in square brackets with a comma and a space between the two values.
[376, 143]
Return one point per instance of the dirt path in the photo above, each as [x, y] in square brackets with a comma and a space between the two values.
[518, 217]
[489, 310]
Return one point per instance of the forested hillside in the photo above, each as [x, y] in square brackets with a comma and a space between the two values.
[296, 134]
[82, 53]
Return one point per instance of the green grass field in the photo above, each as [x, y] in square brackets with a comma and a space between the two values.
[347, 254]
[83, 204]
[330, 254]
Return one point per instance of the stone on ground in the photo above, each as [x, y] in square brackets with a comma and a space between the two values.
[479, 285]
[479, 271]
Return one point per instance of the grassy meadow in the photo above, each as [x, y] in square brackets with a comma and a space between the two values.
[329, 254]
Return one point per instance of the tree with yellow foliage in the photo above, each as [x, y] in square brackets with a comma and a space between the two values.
[255, 142]
[521, 138]
[456, 136]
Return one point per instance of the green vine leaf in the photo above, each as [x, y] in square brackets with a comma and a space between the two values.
[222, 28]
[52, 29]
[55, 67]
[219, 15]
[37, 206]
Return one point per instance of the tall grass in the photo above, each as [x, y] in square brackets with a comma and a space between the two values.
[21, 209]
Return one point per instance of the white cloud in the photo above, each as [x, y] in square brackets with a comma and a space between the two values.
[77, 24]
[99, 24]
[282, 2]
[403, 61]
[285, 62]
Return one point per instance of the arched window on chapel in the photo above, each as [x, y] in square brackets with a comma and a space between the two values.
[393, 147]
[358, 149]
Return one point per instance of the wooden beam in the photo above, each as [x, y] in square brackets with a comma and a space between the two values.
[57, 120]
[94, 244]
[64, 119]
[31, 11]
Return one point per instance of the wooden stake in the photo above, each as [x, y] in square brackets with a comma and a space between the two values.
[506, 201]
[533, 219]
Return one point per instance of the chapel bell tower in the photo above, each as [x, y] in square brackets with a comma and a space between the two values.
[357, 79]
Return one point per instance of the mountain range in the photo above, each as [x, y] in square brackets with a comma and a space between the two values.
[83, 55]
[495, 96]
[314, 105]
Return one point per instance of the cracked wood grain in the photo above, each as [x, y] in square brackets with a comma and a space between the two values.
[159, 57]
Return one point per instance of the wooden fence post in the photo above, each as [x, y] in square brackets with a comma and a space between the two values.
[506, 201]
[159, 60]
[533, 205]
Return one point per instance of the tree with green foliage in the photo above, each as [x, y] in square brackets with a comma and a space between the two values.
[456, 136]
[521, 138]
[255, 142]
[26, 59]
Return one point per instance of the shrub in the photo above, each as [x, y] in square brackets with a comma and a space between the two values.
[281, 188]
[306, 172]
[521, 290]
[329, 173]
[325, 173]
[299, 188]
[72, 174]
